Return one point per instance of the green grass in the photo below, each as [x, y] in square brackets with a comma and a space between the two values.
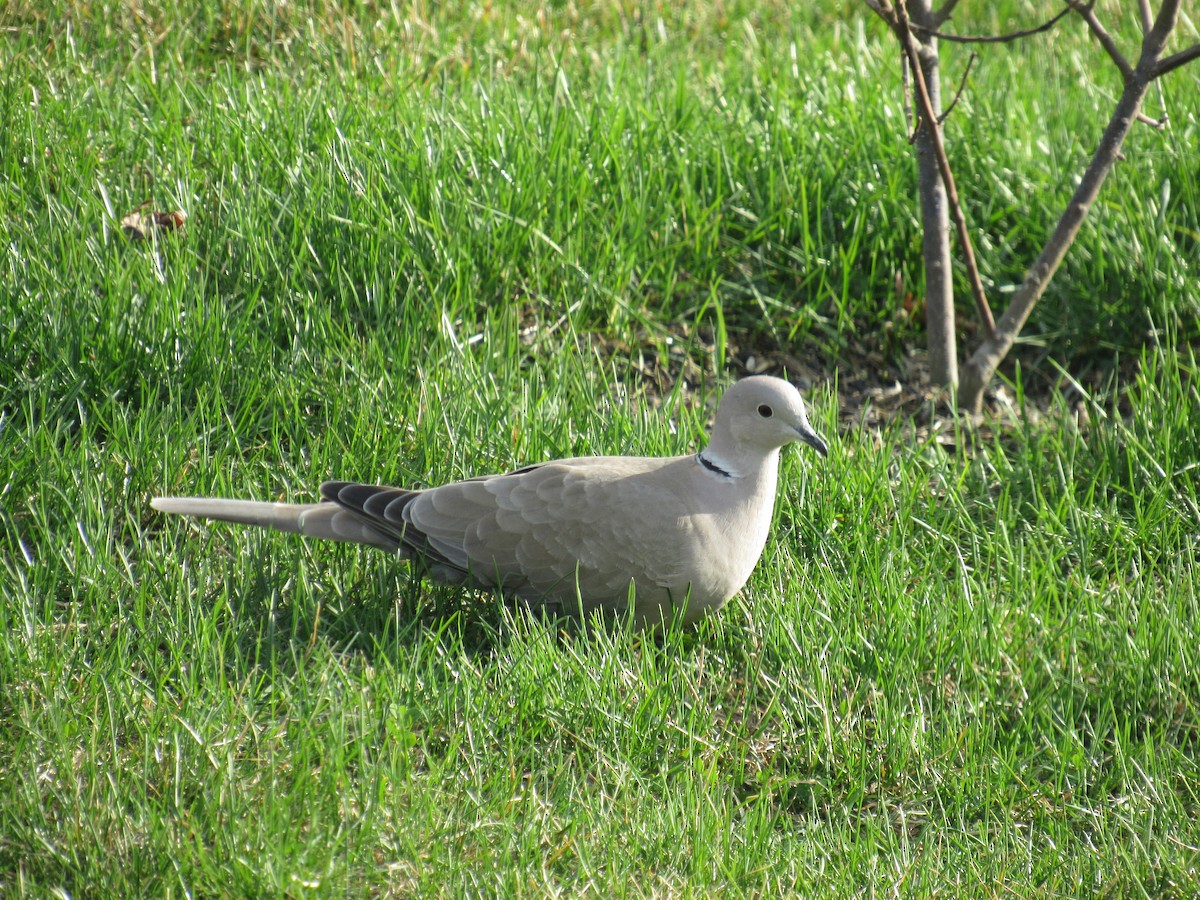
[429, 245]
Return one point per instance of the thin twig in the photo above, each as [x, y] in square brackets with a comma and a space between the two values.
[1105, 39]
[1156, 124]
[944, 13]
[882, 9]
[1147, 16]
[910, 117]
[961, 85]
[997, 38]
[1162, 101]
[908, 42]
[1173, 62]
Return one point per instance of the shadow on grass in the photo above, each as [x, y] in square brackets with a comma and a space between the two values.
[388, 607]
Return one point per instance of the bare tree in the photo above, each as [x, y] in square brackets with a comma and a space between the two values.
[922, 61]
[917, 26]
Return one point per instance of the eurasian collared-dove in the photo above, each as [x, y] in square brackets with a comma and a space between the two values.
[578, 534]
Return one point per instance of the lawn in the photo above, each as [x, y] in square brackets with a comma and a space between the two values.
[429, 241]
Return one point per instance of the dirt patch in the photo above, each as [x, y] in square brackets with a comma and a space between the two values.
[873, 391]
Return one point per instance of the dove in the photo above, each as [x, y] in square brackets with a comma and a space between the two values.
[677, 537]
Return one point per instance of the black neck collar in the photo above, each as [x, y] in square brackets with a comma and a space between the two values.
[711, 466]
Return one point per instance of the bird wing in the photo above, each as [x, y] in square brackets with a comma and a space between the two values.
[576, 528]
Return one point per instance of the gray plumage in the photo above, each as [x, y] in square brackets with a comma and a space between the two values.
[577, 534]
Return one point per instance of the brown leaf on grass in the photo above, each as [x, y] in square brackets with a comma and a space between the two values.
[140, 226]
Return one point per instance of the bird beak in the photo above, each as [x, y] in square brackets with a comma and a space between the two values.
[813, 440]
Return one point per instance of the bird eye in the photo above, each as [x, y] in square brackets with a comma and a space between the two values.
[765, 411]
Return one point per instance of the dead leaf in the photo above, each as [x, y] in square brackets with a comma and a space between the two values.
[141, 226]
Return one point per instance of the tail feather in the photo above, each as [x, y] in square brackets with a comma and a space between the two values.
[324, 520]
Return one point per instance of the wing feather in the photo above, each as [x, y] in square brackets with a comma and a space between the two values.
[550, 532]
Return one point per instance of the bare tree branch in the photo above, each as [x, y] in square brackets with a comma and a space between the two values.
[1168, 13]
[999, 38]
[1105, 39]
[962, 84]
[1156, 124]
[1173, 62]
[982, 364]
[882, 9]
[1147, 16]
[944, 13]
[930, 121]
